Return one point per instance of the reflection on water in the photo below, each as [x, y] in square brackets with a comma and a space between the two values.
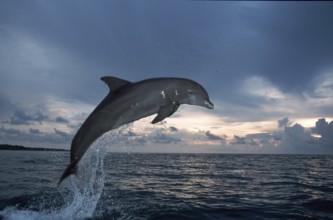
[210, 179]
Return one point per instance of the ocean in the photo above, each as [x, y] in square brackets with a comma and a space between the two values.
[166, 186]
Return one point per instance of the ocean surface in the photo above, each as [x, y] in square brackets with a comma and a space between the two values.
[166, 186]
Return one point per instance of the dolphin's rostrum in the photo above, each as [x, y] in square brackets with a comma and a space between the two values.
[128, 102]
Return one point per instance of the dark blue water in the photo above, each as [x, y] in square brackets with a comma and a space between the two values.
[168, 186]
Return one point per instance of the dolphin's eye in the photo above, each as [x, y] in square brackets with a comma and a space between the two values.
[190, 91]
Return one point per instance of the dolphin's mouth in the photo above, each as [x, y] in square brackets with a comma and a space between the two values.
[209, 104]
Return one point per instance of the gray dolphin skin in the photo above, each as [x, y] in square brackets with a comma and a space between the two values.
[128, 102]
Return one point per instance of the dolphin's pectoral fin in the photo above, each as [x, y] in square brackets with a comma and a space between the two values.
[162, 113]
[175, 108]
[165, 111]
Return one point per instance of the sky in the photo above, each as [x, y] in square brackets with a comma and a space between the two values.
[267, 66]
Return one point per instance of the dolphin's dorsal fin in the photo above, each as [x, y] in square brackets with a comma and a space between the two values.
[114, 83]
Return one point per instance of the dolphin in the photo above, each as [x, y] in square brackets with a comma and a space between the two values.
[128, 102]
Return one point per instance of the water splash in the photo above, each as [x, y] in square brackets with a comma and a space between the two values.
[80, 192]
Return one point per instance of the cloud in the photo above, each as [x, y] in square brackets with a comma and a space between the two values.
[283, 42]
[243, 141]
[34, 136]
[132, 138]
[162, 138]
[262, 139]
[173, 129]
[325, 130]
[130, 134]
[271, 102]
[260, 87]
[297, 139]
[60, 119]
[63, 134]
[294, 135]
[292, 138]
[40, 117]
[45, 116]
[283, 122]
[35, 131]
[214, 137]
[216, 42]
[20, 117]
[10, 131]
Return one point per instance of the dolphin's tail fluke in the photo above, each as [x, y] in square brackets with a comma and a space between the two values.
[71, 169]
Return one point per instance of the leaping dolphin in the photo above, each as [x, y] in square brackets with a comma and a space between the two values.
[128, 102]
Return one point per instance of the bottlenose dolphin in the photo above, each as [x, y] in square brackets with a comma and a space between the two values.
[128, 102]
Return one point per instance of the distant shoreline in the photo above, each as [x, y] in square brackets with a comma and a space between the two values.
[22, 148]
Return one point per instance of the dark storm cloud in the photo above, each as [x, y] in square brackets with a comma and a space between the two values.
[286, 42]
[296, 41]
[131, 38]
